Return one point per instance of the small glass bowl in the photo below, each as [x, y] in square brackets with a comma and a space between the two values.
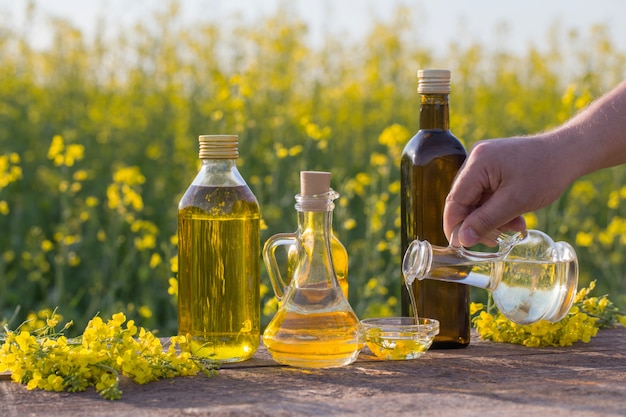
[399, 338]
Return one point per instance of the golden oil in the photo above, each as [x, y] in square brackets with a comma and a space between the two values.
[302, 334]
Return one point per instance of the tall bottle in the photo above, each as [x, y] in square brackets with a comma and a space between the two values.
[430, 161]
[219, 257]
[338, 253]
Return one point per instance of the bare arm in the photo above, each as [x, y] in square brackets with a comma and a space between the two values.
[505, 178]
[598, 134]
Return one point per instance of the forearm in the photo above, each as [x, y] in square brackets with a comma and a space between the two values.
[595, 138]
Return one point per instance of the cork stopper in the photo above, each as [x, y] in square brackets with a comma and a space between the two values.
[314, 183]
[315, 192]
[219, 146]
[433, 82]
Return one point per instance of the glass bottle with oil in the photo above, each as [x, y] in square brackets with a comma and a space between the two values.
[429, 163]
[218, 257]
[530, 277]
[315, 326]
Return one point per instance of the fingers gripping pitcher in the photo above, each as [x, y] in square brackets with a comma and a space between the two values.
[314, 327]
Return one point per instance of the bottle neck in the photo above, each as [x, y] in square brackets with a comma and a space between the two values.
[434, 111]
[219, 173]
[315, 265]
[423, 260]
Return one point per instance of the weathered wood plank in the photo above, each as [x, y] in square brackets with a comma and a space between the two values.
[485, 379]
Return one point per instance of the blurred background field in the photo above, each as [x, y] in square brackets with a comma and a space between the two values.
[98, 141]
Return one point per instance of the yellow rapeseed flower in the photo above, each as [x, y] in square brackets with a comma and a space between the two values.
[74, 153]
[174, 264]
[153, 151]
[281, 152]
[145, 312]
[584, 239]
[80, 175]
[75, 187]
[363, 178]
[613, 201]
[155, 260]
[129, 176]
[476, 307]
[394, 187]
[57, 146]
[295, 150]
[131, 198]
[113, 196]
[392, 301]
[173, 286]
[531, 220]
[372, 283]
[583, 191]
[394, 135]
[378, 159]
[349, 224]
[47, 245]
[145, 242]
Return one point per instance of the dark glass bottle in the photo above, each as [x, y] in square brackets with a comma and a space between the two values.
[430, 161]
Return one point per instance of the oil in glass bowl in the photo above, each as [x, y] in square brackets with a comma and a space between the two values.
[399, 338]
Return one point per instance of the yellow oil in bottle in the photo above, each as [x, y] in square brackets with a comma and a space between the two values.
[218, 238]
[303, 334]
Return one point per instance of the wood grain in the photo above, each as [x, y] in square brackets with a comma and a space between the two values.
[486, 379]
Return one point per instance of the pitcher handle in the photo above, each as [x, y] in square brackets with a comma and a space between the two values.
[269, 257]
[505, 243]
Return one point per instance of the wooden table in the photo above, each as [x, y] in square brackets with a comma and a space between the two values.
[485, 379]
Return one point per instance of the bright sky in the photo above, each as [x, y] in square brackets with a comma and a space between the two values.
[436, 22]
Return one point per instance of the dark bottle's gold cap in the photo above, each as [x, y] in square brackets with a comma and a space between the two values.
[433, 81]
[219, 146]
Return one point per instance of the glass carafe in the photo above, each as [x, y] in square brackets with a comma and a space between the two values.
[315, 326]
[530, 277]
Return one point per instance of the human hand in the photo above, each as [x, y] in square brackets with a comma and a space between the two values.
[500, 181]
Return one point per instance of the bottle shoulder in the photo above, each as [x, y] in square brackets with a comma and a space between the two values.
[435, 137]
[433, 143]
[220, 200]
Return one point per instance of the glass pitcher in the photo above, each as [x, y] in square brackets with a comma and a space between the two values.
[530, 277]
[315, 326]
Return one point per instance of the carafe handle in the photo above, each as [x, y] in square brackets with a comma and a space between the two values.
[269, 257]
[505, 243]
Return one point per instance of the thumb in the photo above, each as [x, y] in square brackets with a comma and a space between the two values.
[480, 225]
